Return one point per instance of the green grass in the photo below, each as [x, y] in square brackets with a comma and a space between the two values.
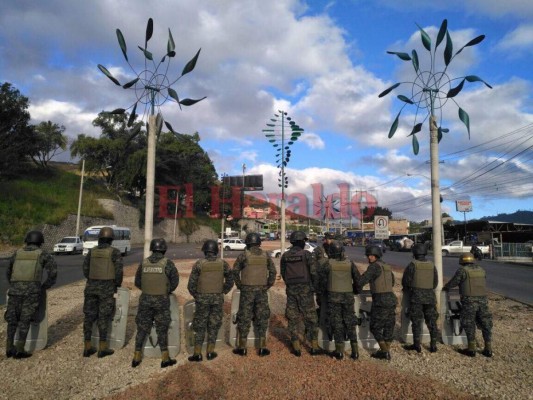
[45, 197]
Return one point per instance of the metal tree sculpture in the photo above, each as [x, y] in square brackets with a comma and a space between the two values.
[152, 89]
[278, 128]
[430, 91]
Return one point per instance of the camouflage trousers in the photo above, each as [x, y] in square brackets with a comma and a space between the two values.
[153, 310]
[99, 308]
[253, 306]
[343, 320]
[382, 321]
[301, 305]
[476, 313]
[19, 314]
[423, 312]
[207, 320]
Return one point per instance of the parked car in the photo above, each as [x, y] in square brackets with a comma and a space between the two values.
[69, 245]
[308, 246]
[233, 244]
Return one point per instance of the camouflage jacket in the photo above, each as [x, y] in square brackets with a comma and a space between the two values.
[324, 271]
[192, 286]
[421, 296]
[104, 286]
[170, 271]
[378, 299]
[240, 264]
[49, 266]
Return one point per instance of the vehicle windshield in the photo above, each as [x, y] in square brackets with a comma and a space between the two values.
[68, 240]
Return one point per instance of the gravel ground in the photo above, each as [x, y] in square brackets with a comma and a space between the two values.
[60, 372]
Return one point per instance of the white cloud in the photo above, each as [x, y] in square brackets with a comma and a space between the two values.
[520, 38]
[313, 141]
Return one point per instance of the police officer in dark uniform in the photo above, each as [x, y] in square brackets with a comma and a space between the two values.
[102, 268]
[382, 313]
[157, 277]
[471, 279]
[420, 279]
[299, 273]
[211, 278]
[340, 276]
[254, 273]
[320, 256]
[24, 275]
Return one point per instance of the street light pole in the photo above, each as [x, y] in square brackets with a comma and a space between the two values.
[79, 200]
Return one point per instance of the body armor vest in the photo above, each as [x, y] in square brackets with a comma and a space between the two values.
[27, 267]
[424, 275]
[102, 267]
[154, 281]
[340, 276]
[383, 283]
[211, 278]
[256, 272]
[475, 282]
[297, 270]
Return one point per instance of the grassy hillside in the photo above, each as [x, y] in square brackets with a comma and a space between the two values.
[45, 196]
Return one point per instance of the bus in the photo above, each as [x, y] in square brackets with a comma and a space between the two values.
[122, 239]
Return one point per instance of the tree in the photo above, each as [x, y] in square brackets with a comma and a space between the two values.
[49, 139]
[369, 213]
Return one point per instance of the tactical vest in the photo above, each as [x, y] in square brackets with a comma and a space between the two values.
[383, 283]
[255, 273]
[154, 281]
[340, 276]
[27, 267]
[211, 278]
[101, 266]
[475, 283]
[297, 270]
[424, 275]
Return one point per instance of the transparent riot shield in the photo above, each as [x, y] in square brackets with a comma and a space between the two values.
[452, 332]
[151, 344]
[366, 339]
[253, 338]
[406, 329]
[325, 332]
[38, 334]
[116, 330]
[188, 315]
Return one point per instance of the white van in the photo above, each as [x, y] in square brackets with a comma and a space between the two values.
[122, 239]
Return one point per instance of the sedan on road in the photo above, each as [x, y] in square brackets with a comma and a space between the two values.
[308, 246]
[233, 244]
[69, 245]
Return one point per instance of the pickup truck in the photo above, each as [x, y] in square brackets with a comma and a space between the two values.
[457, 247]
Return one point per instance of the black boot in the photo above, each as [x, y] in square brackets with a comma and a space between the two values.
[296, 348]
[211, 355]
[433, 346]
[166, 361]
[415, 346]
[355, 350]
[263, 351]
[315, 349]
[137, 358]
[487, 351]
[104, 350]
[470, 351]
[339, 351]
[20, 352]
[88, 349]
[197, 356]
[241, 349]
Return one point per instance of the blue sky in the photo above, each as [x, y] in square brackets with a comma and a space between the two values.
[323, 62]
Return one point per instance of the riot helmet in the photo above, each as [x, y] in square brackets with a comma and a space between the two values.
[466, 258]
[210, 246]
[329, 235]
[373, 251]
[419, 249]
[298, 237]
[336, 249]
[159, 245]
[253, 239]
[34, 237]
[106, 235]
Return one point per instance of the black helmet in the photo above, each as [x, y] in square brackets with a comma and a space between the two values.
[373, 251]
[419, 249]
[298, 236]
[210, 246]
[329, 235]
[159, 245]
[336, 248]
[466, 258]
[253, 239]
[106, 233]
[34, 237]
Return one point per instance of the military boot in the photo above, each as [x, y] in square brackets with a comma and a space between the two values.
[415, 346]
[487, 351]
[211, 354]
[104, 350]
[433, 345]
[88, 349]
[296, 348]
[263, 351]
[241, 348]
[339, 351]
[137, 358]
[470, 351]
[197, 355]
[383, 352]
[19, 350]
[10, 349]
[315, 350]
[355, 350]
[166, 361]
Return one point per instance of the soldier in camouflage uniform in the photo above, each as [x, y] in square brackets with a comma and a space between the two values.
[102, 268]
[339, 276]
[420, 279]
[24, 275]
[211, 278]
[299, 273]
[471, 279]
[320, 256]
[382, 313]
[157, 277]
[254, 273]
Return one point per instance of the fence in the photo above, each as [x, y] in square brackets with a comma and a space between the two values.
[513, 250]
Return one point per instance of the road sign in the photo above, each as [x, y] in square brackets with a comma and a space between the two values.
[381, 227]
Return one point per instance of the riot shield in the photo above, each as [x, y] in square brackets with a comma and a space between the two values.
[116, 330]
[366, 339]
[325, 332]
[253, 338]
[452, 332]
[38, 334]
[151, 345]
[188, 315]
[406, 330]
